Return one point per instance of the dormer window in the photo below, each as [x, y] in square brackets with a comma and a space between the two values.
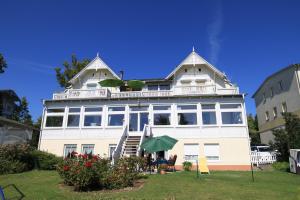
[91, 85]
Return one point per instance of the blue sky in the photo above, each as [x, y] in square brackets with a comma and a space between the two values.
[248, 40]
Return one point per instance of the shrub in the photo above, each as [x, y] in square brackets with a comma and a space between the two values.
[15, 158]
[44, 160]
[83, 171]
[187, 166]
[281, 166]
[123, 173]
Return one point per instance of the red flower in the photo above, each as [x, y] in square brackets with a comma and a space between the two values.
[95, 157]
[88, 164]
[66, 168]
[85, 156]
[74, 153]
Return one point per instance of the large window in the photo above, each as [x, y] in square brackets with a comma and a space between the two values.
[191, 152]
[73, 117]
[68, 149]
[231, 113]
[161, 115]
[212, 152]
[187, 114]
[116, 116]
[92, 116]
[159, 87]
[88, 149]
[208, 114]
[54, 117]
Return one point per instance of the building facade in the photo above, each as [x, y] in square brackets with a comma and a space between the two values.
[279, 93]
[195, 103]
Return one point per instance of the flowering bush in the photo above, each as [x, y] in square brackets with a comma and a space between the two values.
[86, 172]
[83, 171]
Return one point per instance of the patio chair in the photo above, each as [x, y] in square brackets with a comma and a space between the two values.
[171, 163]
[2, 194]
[203, 166]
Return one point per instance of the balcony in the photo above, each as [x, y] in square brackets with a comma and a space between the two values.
[82, 94]
[177, 91]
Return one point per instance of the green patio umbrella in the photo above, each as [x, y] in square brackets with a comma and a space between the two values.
[161, 143]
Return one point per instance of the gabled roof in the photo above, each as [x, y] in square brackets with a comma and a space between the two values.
[96, 64]
[192, 59]
[296, 66]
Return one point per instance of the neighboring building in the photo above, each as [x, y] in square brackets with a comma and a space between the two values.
[195, 104]
[9, 101]
[12, 132]
[279, 93]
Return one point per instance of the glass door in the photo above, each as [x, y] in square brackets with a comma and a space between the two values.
[143, 120]
[137, 121]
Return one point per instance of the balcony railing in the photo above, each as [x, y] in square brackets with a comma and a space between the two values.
[177, 91]
[79, 94]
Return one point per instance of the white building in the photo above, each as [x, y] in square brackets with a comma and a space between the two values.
[195, 103]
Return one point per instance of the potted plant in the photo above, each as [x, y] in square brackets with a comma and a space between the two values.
[162, 168]
[187, 166]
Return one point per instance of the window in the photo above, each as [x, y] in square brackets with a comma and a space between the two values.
[73, 117]
[92, 116]
[88, 149]
[138, 108]
[187, 114]
[284, 107]
[161, 115]
[54, 117]
[272, 92]
[91, 85]
[231, 113]
[68, 149]
[211, 151]
[116, 116]
[280, 85]
[208, 114]
[264, 97]
[267, 116]
[275, 112]
[54, 121]
[152, 87]
[191, 152]
[111, 149]
[164, 87]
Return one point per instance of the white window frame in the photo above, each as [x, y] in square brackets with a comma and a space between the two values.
[73, 113]
[209, 110]
[193, 111]
[205, 152]
[64, 150]
[92, 113]
[93, 149]
[115, 113]
[240, 109]
[196, 155]
[162, 112]
[55, 114]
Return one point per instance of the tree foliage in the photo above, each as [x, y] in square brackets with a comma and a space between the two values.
[253, 129]
[65, 73]
[3, 64]
[21, 113]
[288, 138]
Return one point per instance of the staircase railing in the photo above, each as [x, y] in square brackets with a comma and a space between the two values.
[146, 130]
[117, 152]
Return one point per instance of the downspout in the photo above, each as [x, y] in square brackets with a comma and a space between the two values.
[247, 129]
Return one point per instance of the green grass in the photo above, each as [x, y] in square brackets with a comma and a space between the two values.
[180, 185]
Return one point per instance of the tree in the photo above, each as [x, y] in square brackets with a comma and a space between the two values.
[21, 113]
[3, 64]
[253, 129]
[288, 138]
[38, 123]
[69, 70]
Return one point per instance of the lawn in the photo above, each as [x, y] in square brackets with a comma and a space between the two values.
[180, 185]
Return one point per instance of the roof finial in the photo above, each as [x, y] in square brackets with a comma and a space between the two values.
[193, 49]
[97, 54]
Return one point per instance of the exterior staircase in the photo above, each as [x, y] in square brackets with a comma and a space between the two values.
[131, 146]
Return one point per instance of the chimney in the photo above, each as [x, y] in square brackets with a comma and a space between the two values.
[121, 74]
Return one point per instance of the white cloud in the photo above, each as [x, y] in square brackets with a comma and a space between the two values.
[214, 31]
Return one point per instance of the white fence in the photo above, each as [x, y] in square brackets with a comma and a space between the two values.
[261, 158]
